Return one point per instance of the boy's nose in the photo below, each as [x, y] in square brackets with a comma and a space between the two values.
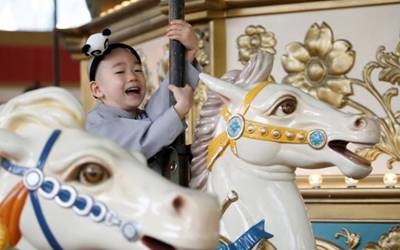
[132, 75]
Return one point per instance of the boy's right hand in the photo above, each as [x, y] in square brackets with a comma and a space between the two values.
[184, 99]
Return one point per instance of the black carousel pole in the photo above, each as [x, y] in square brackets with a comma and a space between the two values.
[177, 168]
[56, 55]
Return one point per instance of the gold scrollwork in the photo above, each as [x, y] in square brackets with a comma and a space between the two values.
[255, 38]
[389, 65]
[352, 239]
[387, 241]
[319, 67]
[322, 244]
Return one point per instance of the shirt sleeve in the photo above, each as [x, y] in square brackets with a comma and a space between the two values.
[145, 136]
[159, 102]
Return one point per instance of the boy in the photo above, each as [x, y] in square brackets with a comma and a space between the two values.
[118, 83]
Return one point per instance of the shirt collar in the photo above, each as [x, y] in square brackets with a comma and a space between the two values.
[115, 112]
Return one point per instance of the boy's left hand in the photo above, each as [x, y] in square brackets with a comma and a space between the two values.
[183, 32]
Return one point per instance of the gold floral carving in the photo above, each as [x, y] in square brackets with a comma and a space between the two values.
[387, 241]
[255, 38]
[352, 239]
[319, 66]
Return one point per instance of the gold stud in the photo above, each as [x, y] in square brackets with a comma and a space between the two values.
[289, 135]
[301, 136]
[276, 134]
[263, 131]
[250, 129]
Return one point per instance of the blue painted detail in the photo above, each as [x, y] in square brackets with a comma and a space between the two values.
[80, 203]
[235, 126]
[249, 239]
[96, 210]
[64, 195]
[42, 222]
[47, 187]
[370, 232]
[47, 148]
[317, 138]
[14, 169]
[34, 199]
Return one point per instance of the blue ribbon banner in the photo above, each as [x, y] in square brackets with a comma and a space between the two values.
[249, 239]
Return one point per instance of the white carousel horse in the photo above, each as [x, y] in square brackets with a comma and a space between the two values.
[86, 192]
[266, 131]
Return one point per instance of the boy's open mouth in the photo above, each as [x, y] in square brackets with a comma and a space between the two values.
[133, 90]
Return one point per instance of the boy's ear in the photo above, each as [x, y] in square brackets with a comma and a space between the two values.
[96, 90]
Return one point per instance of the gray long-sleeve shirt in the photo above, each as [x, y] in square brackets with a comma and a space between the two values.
[148, 131]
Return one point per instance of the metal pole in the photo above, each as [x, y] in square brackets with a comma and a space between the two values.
[178, 165]
[56, 56]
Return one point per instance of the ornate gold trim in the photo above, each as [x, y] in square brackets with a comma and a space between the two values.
[287, 7]
[359, 195]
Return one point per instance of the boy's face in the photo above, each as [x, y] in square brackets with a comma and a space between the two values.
[120, 82]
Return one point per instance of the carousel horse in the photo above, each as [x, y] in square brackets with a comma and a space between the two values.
[264, 132]
[62, 188]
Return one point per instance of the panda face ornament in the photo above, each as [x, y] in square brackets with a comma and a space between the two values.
[120, 82]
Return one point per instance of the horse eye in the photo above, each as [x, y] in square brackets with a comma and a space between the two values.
[286, 107]
[92, 173]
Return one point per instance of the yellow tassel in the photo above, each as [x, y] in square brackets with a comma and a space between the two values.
[3, 236]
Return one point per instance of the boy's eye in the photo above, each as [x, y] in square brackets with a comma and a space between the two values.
[138, 70]
[119, 72]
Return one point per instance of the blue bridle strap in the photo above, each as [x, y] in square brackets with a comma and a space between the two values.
[34, 198]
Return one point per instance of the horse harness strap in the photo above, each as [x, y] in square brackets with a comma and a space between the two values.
[238, 126]
[66, 196]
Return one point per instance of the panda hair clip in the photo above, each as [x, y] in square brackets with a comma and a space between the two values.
[97, 43]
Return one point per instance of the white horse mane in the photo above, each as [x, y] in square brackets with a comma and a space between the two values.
[61, 109]
[258, 69]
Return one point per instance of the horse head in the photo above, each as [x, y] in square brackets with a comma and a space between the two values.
[277, 124]
[86, 192]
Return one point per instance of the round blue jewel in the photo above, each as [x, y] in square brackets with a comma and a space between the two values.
[235, 127]
[317, 139]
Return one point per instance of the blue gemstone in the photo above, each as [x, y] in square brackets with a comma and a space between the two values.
[47, 186]
[234, 126]
[317, 138]
[64, 195]
[96, 210]
[80, 203]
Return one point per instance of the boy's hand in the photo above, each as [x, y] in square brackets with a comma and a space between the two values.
[183, 32]
[184, 99]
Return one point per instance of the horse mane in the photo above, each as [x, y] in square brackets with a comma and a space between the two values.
[257, 69]
[51, 107]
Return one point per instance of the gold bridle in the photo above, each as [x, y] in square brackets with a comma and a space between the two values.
[238, 126]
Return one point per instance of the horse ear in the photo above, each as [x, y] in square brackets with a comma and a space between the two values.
[12, 145]
[225, 89]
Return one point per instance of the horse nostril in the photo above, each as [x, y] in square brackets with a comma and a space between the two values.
[360, 123]
[178, 203]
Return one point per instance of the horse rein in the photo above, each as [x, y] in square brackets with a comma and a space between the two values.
[238, 126]
[65, 196]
